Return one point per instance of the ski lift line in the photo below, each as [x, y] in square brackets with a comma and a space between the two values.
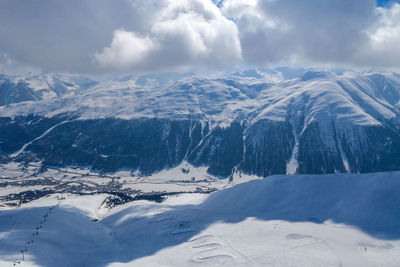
[36, 231]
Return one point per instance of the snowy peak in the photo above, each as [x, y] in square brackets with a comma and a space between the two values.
[320, 96]
[317, 122]
[361, 98]
[38, 86]
[313, 75]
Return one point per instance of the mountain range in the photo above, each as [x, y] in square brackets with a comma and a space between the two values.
[256, 123]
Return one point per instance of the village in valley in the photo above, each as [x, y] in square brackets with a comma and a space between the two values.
[22, 183]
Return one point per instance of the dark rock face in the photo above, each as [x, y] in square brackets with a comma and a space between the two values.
[221, 150]
[149, 145]
[377, 150]
[315, 156]
[110, 144]
[268, 147]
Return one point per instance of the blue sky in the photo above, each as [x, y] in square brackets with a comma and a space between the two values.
[385, 2]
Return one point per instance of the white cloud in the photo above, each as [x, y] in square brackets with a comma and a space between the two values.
[126, 49]
[260, 33]
[186, 33]
[383, 47]
[158, 35]
[324, 31]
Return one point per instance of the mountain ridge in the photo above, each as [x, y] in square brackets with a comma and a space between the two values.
[316, 122]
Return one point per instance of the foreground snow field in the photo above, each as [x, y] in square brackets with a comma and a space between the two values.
[300, 220]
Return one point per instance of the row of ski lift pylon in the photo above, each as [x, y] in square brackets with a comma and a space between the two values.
[35, 233]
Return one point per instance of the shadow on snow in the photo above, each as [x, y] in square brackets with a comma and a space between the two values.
[368, 202]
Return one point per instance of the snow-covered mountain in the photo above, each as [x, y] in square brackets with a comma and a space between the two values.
[38, 86]
[316, 122]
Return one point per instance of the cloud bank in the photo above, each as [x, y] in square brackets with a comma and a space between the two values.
[165, 35]
[184, 33]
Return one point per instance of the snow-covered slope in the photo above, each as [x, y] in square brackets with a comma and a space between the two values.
[302, 220]
[219, 99]
[38, 86]
[317, 122]
[364, 98]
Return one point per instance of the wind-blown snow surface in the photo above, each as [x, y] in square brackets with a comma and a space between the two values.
[300, 220]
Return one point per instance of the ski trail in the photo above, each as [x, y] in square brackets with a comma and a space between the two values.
[343, 156]
[16, 154]
[293, 164]
[344, 159]
[341, 151]
[213, 249]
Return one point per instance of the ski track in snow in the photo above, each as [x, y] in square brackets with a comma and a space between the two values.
[293, 164]
[212, 249]
[250, 224]
[16, 154]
